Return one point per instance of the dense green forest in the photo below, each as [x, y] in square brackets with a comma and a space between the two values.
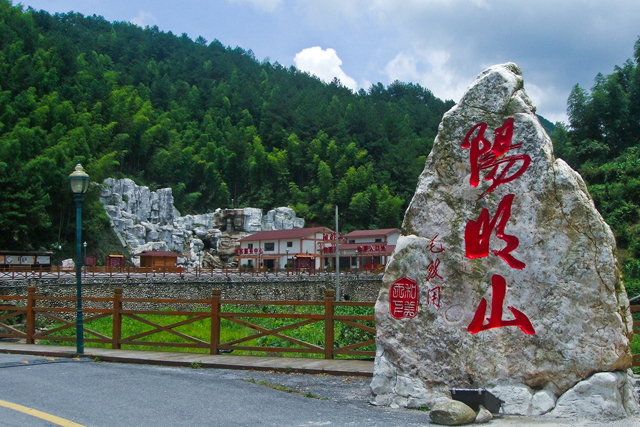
[216, 125]
[602, 142]
[223, 129]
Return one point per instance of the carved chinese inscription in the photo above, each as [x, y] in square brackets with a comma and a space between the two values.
[483, 155]
[403, 298]
[433, 296]
[499, 287]
[478, 233]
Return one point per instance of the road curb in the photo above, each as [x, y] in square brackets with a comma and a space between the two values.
[339, 367]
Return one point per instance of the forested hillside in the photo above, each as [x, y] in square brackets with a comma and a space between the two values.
[602, 142]
[216, 125]
[223, 129]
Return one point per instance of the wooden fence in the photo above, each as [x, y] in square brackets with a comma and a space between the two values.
[33, 309]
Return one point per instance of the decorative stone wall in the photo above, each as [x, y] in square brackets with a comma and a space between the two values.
[294, 288]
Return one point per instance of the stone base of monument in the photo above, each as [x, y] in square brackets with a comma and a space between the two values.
[604, 395]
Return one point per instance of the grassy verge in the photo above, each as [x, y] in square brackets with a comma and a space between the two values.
[201, 329]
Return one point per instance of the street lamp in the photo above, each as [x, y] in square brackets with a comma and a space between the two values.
[79, 183]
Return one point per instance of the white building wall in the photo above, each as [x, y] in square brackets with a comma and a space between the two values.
[299, 246]
[393, 238]
[309, 246]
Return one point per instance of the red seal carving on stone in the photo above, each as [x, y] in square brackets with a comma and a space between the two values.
[403, 298]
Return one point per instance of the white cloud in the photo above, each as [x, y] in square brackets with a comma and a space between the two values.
[143, 19]
[550, 101]
[429, 69]
[325, 64]
[264, 5]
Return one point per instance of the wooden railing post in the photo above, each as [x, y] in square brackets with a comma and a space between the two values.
[329, 296]
[117, 318]
[31, 315]
[215, 321]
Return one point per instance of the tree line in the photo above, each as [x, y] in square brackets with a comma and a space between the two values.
[215, 124]
[223, 129]
[602, 142]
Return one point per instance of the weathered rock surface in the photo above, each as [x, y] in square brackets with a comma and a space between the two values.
[451, 413]
[146, 220]
[605, 395]
[540, 243]
[483, 416]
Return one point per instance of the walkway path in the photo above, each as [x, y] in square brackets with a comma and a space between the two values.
[283, 364]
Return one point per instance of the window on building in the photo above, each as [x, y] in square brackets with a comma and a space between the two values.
[250, 245]
[269, 246]
[378, 240]
[352, 241]
[289, 244]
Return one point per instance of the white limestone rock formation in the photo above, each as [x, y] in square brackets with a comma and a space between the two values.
[605, 395]
[281, 219]
[147, 220]
[505, 277]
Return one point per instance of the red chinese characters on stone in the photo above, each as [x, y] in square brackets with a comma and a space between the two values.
[483, 156]
[499, 287]
[433, 270]
[403, 298]
[432, 246]
[477, 234]
[433, 296]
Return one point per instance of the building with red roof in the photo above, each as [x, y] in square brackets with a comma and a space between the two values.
[315, 248]
[296, 248]
[368, 249]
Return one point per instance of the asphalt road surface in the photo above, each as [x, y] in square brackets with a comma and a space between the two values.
[74, 393]
[107, 394]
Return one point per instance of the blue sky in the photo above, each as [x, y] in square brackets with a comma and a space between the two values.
[439, 44]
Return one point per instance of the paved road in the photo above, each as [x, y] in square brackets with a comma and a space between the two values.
[99, 394]
[109, 394]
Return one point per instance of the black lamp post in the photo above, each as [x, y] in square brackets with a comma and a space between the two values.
[79, 183]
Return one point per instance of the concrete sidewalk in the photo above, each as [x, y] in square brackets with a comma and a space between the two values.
[362, 368]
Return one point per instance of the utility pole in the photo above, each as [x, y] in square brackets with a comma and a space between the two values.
[337, 260]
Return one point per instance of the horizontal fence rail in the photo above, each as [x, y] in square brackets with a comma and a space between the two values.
[46, 318]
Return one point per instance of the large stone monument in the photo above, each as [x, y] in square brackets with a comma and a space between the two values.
[505, 278]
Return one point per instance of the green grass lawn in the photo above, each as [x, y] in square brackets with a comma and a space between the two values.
[201, 329]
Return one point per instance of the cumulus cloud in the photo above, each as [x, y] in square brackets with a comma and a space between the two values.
[556, 44]
[325, 64]
[430, 69]
[555, 106]
[143, 19]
